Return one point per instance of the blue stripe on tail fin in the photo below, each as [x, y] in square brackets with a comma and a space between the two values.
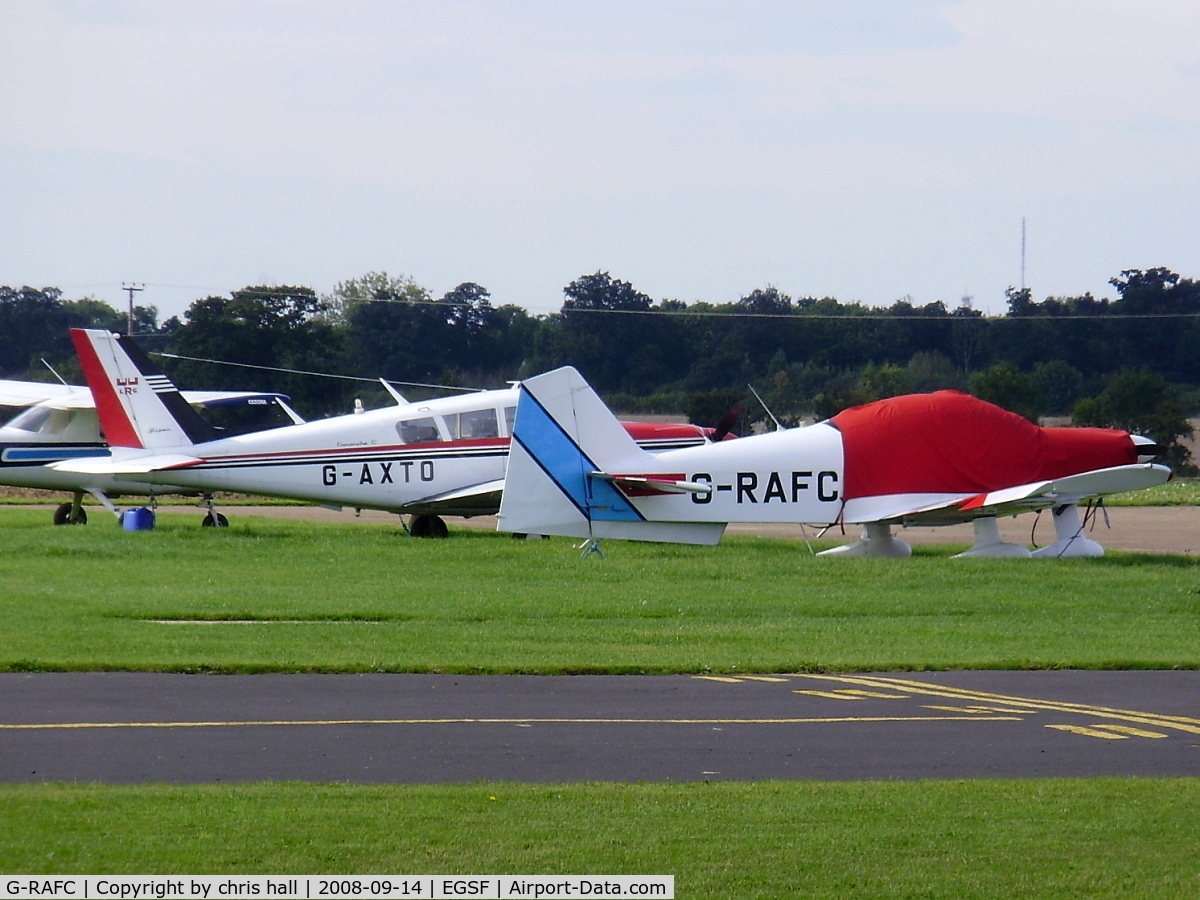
[557, 454]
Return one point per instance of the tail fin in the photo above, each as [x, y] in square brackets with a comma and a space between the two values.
[566, 447]
[137, 404]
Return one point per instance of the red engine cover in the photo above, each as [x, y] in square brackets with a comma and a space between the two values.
[951, 442]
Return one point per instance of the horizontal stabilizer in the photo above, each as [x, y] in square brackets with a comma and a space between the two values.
[477, 500]
[138, 465]
[650, 485]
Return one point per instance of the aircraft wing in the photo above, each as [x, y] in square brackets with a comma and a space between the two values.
[477, 500]
[230, 398]
[137, 465]
[954, 508]
[63, 396]
[28, 393]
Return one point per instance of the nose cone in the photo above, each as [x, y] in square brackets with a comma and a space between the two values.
[1147, 449]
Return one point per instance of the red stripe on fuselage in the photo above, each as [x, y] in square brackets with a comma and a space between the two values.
[432, 448]
[118, 430]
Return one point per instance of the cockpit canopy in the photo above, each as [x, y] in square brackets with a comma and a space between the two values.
[468, 425]
[79, 424]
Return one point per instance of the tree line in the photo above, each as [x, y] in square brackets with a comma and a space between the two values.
[1131, 362]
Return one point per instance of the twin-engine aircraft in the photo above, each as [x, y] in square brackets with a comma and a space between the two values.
[58, 422]
[921, 459]
[427, 459]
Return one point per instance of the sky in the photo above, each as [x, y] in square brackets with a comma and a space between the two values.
[868, 150]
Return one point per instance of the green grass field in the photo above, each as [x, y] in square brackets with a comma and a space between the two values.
[1176, 492]
[272, 595]
[269, 595]
[955, 839]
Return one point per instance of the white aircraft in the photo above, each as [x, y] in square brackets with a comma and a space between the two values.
[426, 459]
[59, 422]
[922, 459]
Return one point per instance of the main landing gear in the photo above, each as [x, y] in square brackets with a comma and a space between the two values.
[876, 541]
[1070, 541]
[427, 527]
[71, 513]
[988, 542]
[213, 519]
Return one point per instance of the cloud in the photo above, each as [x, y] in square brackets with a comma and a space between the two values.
[506, 98]
[693, 141]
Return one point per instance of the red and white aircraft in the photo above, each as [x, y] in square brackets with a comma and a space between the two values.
[427, 459]
[922, 459]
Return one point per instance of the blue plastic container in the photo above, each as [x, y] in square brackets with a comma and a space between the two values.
[140, 519]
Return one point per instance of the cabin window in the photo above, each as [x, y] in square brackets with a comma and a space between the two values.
[418, 431]
[510, 415]
[478, 423]
[30, 419]
[42, 420]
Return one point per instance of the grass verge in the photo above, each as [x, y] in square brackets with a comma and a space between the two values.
[271, 595]
[1176, 492]
[1050, 838]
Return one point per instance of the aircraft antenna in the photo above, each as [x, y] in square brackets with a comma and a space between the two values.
[56, 375]
[778, 424]
[396, 395]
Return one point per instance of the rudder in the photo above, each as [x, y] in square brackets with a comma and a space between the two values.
[137, 404]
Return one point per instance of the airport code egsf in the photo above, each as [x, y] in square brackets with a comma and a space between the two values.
[328, 887]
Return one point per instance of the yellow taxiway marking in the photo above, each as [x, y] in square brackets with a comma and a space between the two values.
[1136, 732]
[1105, 730]
[848, 694]
[764, 678]
[718, 678]
[1090, 732]
[1178, 723]
[527, 721]
[976, 709]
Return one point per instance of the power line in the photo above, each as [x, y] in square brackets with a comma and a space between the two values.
[222, 362]
[800, 315]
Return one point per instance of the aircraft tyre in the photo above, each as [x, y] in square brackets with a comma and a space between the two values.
[214, 520]
[62, 516]
[428, 527]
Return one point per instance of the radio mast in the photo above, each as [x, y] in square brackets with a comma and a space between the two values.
[1022, 253]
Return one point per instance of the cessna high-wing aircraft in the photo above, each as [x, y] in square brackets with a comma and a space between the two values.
[59, 422]
[922, 459]
[427, 459]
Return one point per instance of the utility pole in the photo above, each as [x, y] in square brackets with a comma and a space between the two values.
[132, 288]
[1022, 253]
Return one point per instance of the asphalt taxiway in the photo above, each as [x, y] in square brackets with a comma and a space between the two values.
[136, 727]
